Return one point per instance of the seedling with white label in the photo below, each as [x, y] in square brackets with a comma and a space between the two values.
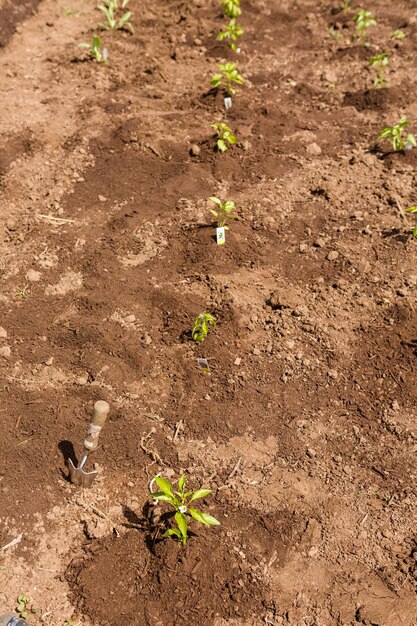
[231, 8]
[413, 209]
[224, 136]
[363, 19]
[95, 50]
[379, 62]
[227, 78]
[400, 139]
[180, 502]
[222, 214]
[231, 33]
[111, 9]
[201, 326]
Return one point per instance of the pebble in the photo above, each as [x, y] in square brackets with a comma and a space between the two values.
[333, 255]
[197, 42]
[237, 360]
[49, 361]
[5, 352]
[395, 405]
[3, 333]
[311, 453]
[245, 145]
[402, 292]
[102, 198]
[303, 247]
[195, 150]
[256, 351]
[332, 374]
[130, 319]
[81, 380]
[313, 149]
[33, 276]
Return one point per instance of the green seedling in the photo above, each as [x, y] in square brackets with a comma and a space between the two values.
[364, 19]
[413, 209]
[400, 139]
[379, 62]
[227, 77]
[180, 501]
[223, 212]
[345, 6]
[95, 50]
[22, 293]
[201, 326]
[110, 8]
[232, 32]
[22, 607]
[232, 8]
[224, 136]
[398, 34]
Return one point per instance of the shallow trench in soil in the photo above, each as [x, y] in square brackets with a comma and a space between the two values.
[305, 426]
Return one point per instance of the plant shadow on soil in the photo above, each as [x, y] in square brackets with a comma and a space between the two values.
[150, 580]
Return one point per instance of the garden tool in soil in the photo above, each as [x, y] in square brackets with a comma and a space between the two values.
[78, 475]
[10, 619]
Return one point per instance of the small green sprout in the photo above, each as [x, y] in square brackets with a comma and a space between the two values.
[231, 32]
[364, 19]
[224, 136]
[22, 293]
[227, 77]
[232, 8]
[413, 209]
[345, 6]
[201, 326]
[180, 501]
[95, 50]
[379, 62]
[400, 140]
[110, 8]
[398, 34]
[22, 607]
[224, 211]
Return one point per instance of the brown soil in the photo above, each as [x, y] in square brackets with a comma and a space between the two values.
[305, 427]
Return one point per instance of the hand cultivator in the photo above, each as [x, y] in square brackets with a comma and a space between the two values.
[78, 475]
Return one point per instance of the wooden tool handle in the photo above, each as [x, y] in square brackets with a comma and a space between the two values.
[101, 410]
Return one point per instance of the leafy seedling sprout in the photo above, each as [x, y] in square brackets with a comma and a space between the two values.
[227, 78]
[398, 34]
[22, 607]
[231, 32]
[223, 212]
[232, 8]
[180, 501]
[345, 6]
[224, 136]
[400, 139]
[201, 326]
[95, 50]
[413, 209]
[379, 62]
[110, 8]
[363, 19]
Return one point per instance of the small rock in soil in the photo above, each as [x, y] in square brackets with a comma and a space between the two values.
[130, 319]
[81, 380]
[311, 453]
[195, 150]
[49, 361]
[238, 361]
[33, 276]
[5, 352]
[333, 255]
[3, 333]
[102, 198]
[313, 149]
[256, 351]
[332, 374]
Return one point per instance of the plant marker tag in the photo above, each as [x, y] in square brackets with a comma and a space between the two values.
[203, 364]
[220, 235]
[105, 54]
[228, 103]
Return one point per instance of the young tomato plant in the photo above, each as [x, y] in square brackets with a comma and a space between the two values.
[223, 212]
[379, 62]
[227, 77]
[400, 139]
[232, 8]
[364, 19]
[413, 209]
[224, 136]
[95, 50]
[231, 32]
[111, 8]
[180, 501]
[201, 326]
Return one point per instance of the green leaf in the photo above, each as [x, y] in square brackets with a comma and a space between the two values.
[213, 212]
[215, 200]
[200, 493]
[415, 231]
[182, 524]
[411, 209]
[232, 139]
[164, 485]
[163, 497]
[204, 518]
[125, 18]
[172, 532]
[221, 145]
[181, 483]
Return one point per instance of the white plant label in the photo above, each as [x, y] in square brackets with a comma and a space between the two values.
[220, 235]
[227, 102]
